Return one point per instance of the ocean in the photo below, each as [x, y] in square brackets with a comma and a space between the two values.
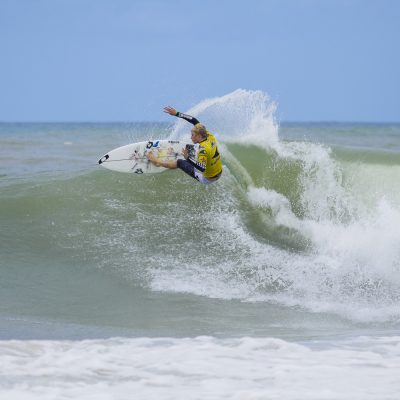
[280, 281]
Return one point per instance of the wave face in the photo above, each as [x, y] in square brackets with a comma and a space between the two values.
[310, 222]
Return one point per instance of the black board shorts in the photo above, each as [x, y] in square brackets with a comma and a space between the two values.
[192, 171]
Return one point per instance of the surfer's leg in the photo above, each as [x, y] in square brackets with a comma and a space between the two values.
[202, 179]
[188, 168]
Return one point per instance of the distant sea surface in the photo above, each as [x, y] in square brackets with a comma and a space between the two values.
[280, 281]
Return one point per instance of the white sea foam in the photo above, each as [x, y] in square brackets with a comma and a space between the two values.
[363, 368]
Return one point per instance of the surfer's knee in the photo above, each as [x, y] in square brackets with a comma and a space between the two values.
[186, 167]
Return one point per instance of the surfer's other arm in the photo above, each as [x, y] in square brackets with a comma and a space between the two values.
[171, 164]
[171, 111]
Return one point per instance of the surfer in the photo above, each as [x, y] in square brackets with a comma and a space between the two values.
[205, 165]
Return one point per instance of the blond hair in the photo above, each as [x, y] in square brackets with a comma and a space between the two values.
[201, 130]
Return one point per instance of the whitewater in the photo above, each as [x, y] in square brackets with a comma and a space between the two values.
[282, 280]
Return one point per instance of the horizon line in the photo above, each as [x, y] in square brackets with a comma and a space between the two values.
[165, 122]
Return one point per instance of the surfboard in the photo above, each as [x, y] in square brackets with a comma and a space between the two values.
[132, 158]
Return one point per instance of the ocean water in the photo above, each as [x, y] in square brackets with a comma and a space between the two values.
[280, 281]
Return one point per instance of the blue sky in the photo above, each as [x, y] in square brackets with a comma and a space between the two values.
[123, 60]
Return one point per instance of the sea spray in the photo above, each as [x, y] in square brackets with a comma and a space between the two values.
[242, 115]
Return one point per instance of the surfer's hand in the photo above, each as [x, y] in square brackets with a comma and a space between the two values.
[185, 153]
[152, 159]
[170, 110]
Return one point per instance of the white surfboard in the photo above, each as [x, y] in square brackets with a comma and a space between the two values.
[132, 157]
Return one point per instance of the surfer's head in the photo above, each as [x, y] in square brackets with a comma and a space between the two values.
[199, 131]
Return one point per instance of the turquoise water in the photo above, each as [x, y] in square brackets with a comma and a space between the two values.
[293, 255]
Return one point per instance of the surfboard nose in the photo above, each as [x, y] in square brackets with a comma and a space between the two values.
[104, 158]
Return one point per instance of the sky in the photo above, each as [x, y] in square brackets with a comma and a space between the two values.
[124, 60]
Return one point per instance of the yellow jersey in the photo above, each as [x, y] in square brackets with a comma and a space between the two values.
[208, 157]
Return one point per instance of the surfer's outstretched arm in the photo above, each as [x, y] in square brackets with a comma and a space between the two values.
[171, 111]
